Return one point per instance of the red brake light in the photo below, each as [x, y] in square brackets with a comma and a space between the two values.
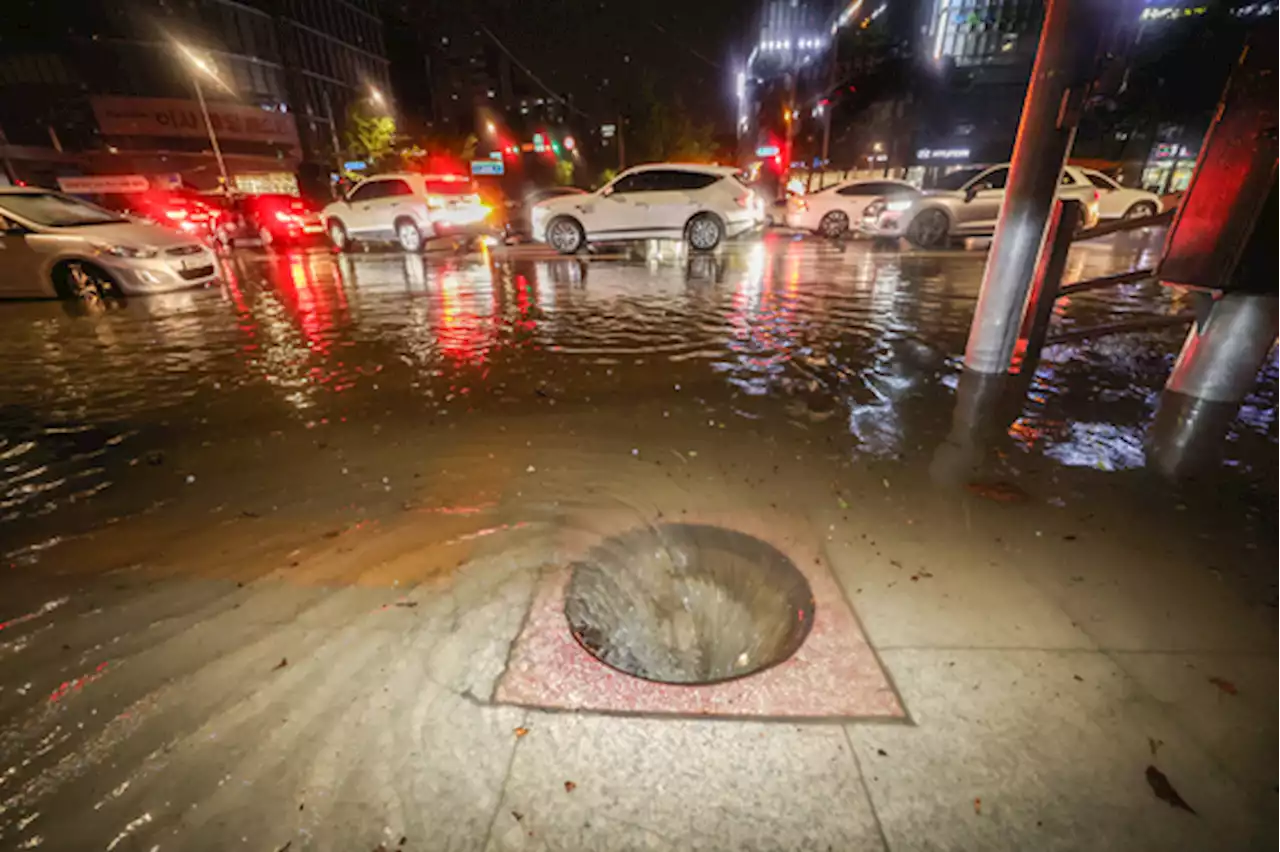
[176, 214]
[744, 200]
[282, 216]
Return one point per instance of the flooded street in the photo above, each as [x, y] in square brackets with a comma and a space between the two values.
[267, 547]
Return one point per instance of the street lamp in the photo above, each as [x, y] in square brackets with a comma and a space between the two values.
[202, 66]
[490, 127]
[376, 94]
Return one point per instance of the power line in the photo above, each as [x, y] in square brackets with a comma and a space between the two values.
[534, 77]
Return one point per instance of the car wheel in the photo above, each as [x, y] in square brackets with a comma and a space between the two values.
[1140, 210]
[835, 224]
[408, 237]
[929, 229]
[85, 282]
[565, 235]
[704, 232]
[338, 236]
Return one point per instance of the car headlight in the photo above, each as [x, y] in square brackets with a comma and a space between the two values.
[873, 209]
[128, 251]
[899, 205]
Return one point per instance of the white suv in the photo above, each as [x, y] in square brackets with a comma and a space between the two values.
[407, 209]
[703, 204]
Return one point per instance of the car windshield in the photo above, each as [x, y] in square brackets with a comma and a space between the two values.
[56, 211]
[955, 180]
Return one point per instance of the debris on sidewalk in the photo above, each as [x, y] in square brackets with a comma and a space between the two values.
[520, 732]
[1154, 744]
[1225, 685]
[1001, 492]
[1164, 790]
[284, 661]
[977, 806]
[569, 786]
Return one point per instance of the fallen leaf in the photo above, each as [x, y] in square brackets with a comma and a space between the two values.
[1155, 745]
[407, 604]
[569, 786]
[1164, 790]
[977, 807]
[284, 661]
[1225, 685]
[842, 503]
[1077, 677]
[1001, 492]
[520, 732]
[519, 816]
[882, 752]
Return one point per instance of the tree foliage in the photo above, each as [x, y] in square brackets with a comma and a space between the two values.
[665, 131]
[369, 136]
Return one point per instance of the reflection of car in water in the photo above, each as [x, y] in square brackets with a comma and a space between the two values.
[270, 219]
[966, 203]
[56, 245]
[517, 225]
[832, 211]
[406, 209]
[700, 204]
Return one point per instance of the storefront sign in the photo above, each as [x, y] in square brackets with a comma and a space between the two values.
[174, 117]
[93, 184]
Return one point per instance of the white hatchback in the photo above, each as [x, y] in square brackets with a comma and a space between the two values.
[406, 209]
[701, 204]
[57, 245]
[833, 210]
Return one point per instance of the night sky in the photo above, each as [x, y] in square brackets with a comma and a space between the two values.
[602, 50]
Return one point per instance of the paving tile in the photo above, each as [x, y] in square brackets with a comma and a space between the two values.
[1040, 750]
[641, 784]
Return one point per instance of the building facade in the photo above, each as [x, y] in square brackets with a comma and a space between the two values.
[91, 87]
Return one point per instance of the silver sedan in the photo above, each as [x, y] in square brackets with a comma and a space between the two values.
[55, 245]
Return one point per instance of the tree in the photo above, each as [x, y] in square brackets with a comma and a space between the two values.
[369, 136]
[666, 131]
[564, 172]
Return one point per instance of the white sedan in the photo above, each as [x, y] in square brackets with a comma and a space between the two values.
[833, 210]
[1121, 202]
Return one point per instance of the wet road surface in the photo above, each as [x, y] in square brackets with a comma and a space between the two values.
[249, 531]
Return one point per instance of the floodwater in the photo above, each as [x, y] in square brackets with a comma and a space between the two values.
[407, 413]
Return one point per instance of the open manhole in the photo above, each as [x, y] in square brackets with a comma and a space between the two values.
[688, 603]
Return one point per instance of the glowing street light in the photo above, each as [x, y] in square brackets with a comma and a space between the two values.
[205, 68]
[376, 95]
[490, 128]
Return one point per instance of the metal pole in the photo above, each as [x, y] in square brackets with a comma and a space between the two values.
[213, 137]
[1050, 112]
[1221, 357]
[1047, 283]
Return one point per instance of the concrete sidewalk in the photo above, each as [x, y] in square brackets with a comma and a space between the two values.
[287, 682]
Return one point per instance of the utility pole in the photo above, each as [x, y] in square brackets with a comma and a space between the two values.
[1050, 112]
[622, 147]
[213, 137]
[790, 119]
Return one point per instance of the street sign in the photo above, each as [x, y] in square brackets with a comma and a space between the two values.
[355, 165]
[104, 183]
[495, 155]
[491, 168]
[607, 131]
[766, 150]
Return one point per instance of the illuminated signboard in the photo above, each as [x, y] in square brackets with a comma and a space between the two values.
[943, 154]
[766, 150]
[491, 168]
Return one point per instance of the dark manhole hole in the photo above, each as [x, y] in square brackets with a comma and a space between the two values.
[687, 603]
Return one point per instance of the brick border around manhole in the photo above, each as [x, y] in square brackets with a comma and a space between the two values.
[834, 674]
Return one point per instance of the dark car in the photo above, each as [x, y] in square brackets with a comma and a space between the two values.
[517, 227]
[270, 220]
[180, 210]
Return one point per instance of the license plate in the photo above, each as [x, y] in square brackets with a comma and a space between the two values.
[313, 229]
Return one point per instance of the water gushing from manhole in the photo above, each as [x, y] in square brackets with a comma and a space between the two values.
[688, 603]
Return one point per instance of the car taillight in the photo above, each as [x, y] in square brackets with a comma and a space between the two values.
[176, 214]
[282, 216]
[435, 202]
[1096, 196]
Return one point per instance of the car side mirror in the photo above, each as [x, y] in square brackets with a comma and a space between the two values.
[971, 193]
[606, 191]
